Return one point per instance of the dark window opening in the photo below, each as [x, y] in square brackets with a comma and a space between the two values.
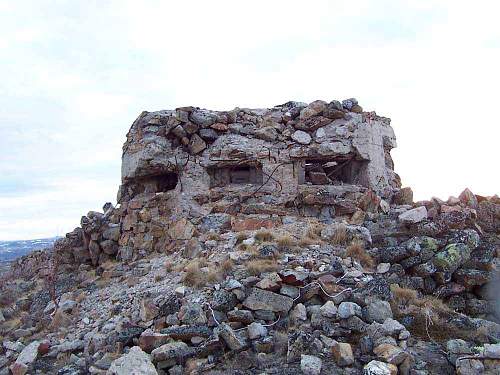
[237, 175]
[154, 184]
[333, 171]
[166, 182]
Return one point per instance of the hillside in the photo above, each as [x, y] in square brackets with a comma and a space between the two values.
[10, 250]
[262, 241]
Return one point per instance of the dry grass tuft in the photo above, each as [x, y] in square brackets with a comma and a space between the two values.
[213, 236]
[198, 273]
[340, 236]
[169, 265]
[431, 315]
[241, 236]
[404, 297]
[193, 275]
[256, 267]
[286, 242]
[213, 276]
[227, 266]
[60, 320]
[357, 251]
[314, 231]
[306, 241]
[264, 235]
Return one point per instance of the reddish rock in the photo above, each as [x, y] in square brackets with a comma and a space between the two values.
[151, 340]
[239, 225]
[468, 198]
[292, 277]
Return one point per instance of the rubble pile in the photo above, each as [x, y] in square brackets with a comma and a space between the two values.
[264, 241]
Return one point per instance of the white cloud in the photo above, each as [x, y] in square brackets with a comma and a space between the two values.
[75, 75]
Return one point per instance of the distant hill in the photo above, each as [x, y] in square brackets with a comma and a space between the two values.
[10, 250]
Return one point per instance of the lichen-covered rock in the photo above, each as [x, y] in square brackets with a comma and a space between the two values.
[453, 255]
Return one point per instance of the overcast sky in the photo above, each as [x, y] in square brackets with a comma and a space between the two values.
[75, 74]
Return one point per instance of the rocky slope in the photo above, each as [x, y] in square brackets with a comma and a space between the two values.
[379, 285]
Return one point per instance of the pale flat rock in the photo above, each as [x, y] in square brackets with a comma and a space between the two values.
[135, 362]
[415, 215]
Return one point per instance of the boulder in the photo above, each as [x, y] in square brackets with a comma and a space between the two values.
[310, 365]
[328, 310]
[415, 215]
[379, 368]
[301, 137]
[26, 358]
[256, 330]
[377, 311]
[230, 338]
[452, 257]
[265, 300]
[390, 353]
[135, 362]
[172, 352]
[348, 309]
[342, 353]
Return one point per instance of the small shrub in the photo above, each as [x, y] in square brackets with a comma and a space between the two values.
[286, 241]
[213, 236]
[357, 251]
[258, 266]
[403, 297]
[340, 236]
[264, 235]
[169, 265]
[314, 231]
[193, 275]
[227, 266]
[241, 236]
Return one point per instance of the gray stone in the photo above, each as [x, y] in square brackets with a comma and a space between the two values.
[310, 365]
[242, 316]
[112, 232]
[492, 350]
[264, 300]
[299, 313]
[392, 327]
[208, 135]
[28, 354]
[203, 118]
[414, 215]
[134, 362]
[377, 311]
[231, 339]
[301, 137]
[256, 330]
[267, 133]
[348, 309]
[328, 310]
[223, 300]
[173, 351]
[192, 313]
